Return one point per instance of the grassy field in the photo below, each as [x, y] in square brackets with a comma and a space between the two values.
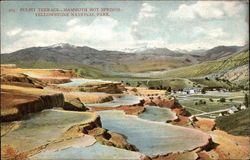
[236, 124]
[174, 83]
[209, 82]
[149, 65]
[208, 107]
[207, 96]
[177, 84]
[229, 95]
[206, 68]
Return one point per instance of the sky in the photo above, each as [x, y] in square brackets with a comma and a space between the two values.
[185, 25]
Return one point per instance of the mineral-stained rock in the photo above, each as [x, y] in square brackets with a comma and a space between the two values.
[74, 104]
[102, 135]
[132, 110]
[15, 103]
[108, 87]
[55, 80]
[23, 80]
[161, 102]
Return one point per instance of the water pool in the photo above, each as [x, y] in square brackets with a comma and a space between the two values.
[150, 137]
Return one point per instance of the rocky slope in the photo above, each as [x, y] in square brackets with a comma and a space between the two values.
[239, 75]
[20, 79]
[40, 73]
[17, 111]
[15, 103]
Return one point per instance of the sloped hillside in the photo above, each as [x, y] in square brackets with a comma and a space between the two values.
[239, 75]
[206, 68]
[236, 124]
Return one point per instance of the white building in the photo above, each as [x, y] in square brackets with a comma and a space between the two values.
[233, 110]
[191, 90]
[243, 107]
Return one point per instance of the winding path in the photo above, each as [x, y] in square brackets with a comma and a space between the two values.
[218, 111]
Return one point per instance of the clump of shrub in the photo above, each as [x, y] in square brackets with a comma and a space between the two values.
[246, 100]
[203, 91]
[222, 100]
[134, 90]
[200, 102]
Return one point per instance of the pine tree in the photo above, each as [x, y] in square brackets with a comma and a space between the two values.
[246, 100]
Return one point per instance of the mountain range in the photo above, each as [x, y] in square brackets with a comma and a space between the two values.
[149, 59]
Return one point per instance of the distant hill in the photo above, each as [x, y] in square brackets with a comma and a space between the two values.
[209, 67]
[219, 53]
[65, 54]
[164, 51]
[144, 60]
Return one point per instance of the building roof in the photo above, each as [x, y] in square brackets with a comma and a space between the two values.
[233, 109]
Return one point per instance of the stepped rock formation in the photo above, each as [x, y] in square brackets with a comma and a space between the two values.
[108, 87]
[130, 109]
[133, 109]
[40, 73]
[161, 102]
[55, 80]
[102, 135]
[74, 104]
[16, 111]
[20, 79]
[17, 101]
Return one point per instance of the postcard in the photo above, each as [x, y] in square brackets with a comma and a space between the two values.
[115, 80]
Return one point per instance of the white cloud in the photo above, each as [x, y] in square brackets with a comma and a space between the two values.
[100, 34]
[207, 10]
[146, 11]
[209, 41]
[203, 37]
[211, 32]
[73, 21]
[14, 32]
[139, 29]
[106, 33]
[135, 23]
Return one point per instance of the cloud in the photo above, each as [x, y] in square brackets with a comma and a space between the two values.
[207, 10]
[100, 33]
[146, 29]
[210, 32]
[146, 11]
[14, 32]
[73, 21]
[206, 37]
[135, 23]
[140, 27]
